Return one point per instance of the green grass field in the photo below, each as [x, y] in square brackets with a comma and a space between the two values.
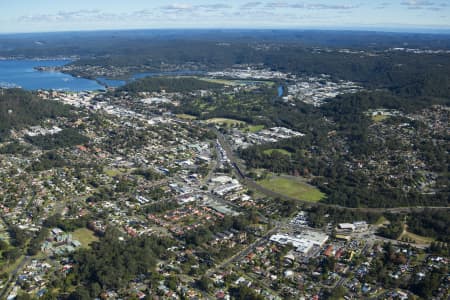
[112, 172]
[186, 117]
[281, 151]
[225, 121]
[219, 81]
[293, 188]
[379, 118]
[418, 239]
[254, 128]
[381, 220]
[84, 236]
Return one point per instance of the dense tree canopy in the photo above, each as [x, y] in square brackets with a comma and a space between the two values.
[168, 84]
[19, 108]
[112, 262]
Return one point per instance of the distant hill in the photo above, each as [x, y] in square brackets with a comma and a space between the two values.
[115, 42]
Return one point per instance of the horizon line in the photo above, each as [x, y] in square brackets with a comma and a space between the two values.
[367, 28]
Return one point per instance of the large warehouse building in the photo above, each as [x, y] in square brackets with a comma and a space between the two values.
[303, 242]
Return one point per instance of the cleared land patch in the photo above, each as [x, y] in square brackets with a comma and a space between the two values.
[281, 151]
[186, 117]
[255, 128]
[379, 118]
[225, 121]
[84, 236]
[381, 221]
[292, 187]
[219, 81]
[417, 239]
[112, 172]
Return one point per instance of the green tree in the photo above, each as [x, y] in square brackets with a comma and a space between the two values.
[204, 283]
[80, 294]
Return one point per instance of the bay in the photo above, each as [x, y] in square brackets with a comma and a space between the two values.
[22, 73]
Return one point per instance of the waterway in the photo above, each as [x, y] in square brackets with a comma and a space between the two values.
[280, 91]
[22, 73]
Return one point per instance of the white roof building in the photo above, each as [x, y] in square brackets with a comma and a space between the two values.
[346, 226]
[303, 242]
[222, 179]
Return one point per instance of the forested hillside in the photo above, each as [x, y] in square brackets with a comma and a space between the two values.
[168, 84]
[19, 108]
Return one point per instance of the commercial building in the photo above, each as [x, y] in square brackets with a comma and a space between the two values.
[303, 242]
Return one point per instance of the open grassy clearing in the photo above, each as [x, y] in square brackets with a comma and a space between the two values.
[379, 118]
[292, 187]
[225, 121]
[84, 236]
[186, 117]
[418, 239]
[254, 128]
[381, 221]
[115, 172]
[256, 82]
[281, 151]
[112, 172]
[421, 257]
[219, 81]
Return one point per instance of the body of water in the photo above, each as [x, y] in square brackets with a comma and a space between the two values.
[21, 73]
[111, 82]
[280, 91]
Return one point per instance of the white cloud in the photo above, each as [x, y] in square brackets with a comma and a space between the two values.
[92, 16]
[230, 14]
[318, 6]
[424, 4]
[251, 5]
[177, 7]
[217, 6]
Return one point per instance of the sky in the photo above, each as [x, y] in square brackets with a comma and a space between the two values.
[69, 15]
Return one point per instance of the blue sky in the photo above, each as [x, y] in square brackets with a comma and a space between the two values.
[63, 15]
